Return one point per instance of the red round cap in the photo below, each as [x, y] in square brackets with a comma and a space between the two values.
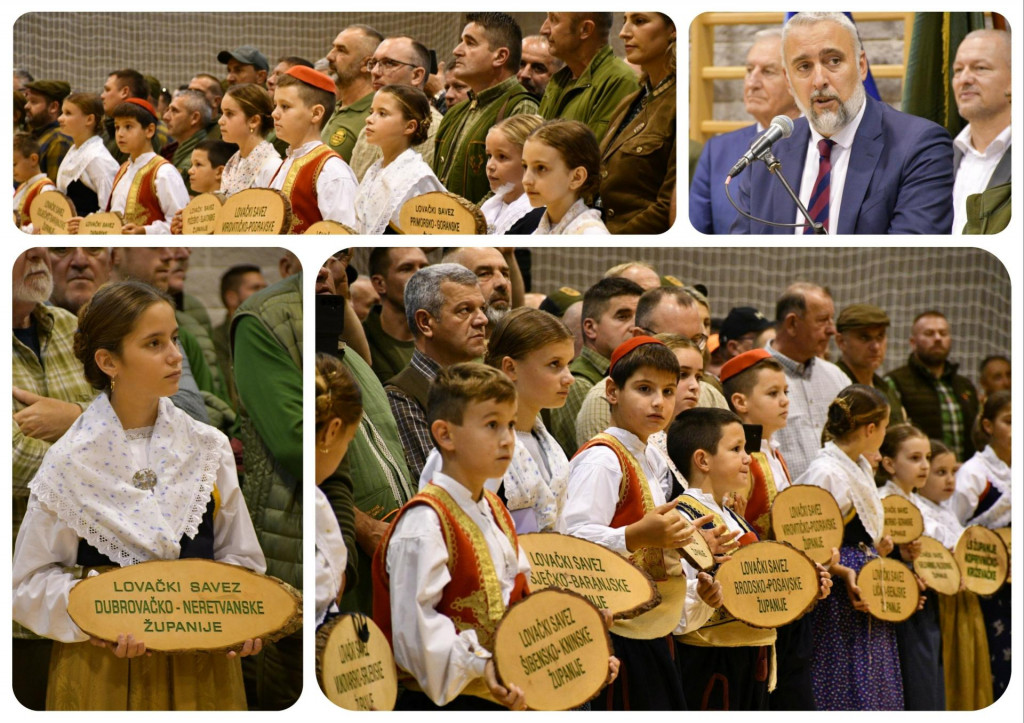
[144, 104]
[627, 346]
[742, 362]
[311, 77]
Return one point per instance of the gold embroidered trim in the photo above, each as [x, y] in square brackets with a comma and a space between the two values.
[141, 214]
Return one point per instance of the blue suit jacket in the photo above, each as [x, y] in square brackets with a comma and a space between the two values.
[710, 210]
[900, 178]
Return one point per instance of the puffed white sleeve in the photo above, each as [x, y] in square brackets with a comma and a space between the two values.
[172, 194]
[696, 612]
[443, 660]
[45, 546]
[591, 497]
[336, 190]
[971, 482]
[234, 539]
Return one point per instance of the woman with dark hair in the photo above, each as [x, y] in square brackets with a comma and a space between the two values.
[133, 479]
[638, 153]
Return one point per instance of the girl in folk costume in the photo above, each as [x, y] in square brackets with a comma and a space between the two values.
[509, 210]
[30, 178]
[906, 454]
[245, 121]
[965, 657]
[339, 407]
[562, 165]
[533, 349]
[133, 479]
[856, 662]
[86, 175]
[982, 497]
[399, 119]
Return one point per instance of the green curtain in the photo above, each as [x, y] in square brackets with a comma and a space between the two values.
[927, 89]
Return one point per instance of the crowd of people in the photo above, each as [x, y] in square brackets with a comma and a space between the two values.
[477, 411]
[376, 123]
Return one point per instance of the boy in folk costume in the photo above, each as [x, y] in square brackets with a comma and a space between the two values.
[726, 664]
[617, 497]
[30, 178]
[318, 183]
[450, 564]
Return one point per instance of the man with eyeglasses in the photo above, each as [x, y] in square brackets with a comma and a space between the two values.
[400, 60]
[77, 273]
[348, 57]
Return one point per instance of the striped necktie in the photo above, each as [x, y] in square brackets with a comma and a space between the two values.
[818, 207]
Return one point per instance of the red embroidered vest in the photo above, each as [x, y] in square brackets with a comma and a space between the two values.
[300, 187]
[142, 207]
[634, 502]
[34, 190]
[472, 598]
[761, 492]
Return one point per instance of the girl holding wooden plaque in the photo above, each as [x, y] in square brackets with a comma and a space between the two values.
[86, 175]
[133, 479]
[965, 655]
[856, 662]
[906, 454]
[533, 349]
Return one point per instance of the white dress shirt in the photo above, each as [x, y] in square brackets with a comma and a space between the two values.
[975, 171]
[170, 192]
[426, 643]
[840, 158]
[770, 447]
[336, 185]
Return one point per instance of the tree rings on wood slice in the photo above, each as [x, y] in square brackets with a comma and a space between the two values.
[889, 587]
[50, 212]
[439, 212]
[1004, 535]
[602, 576]
[255, 211]
[984, 563]
[768, 584]
[554, 646]
[903, 521]
[354, 664]
[937, 567]
[329, 228]
[176, 606]
[101, 224]
[808, 518]
[660, 620]
[200, 216]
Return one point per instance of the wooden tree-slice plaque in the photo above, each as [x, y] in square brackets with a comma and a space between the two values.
[438, 212]
[256, 211]
[554, 646]
[698, 553]
[176, 606]
[1004, 535]
[937, 567]
[200, 216]
[903, 521]
[101, 224]
[889, 587]
[982, 558]
[603, 576]
[329, 228]
[354, 664]
[768, 584]
[808, 518]
[50, 212]
[660, 620]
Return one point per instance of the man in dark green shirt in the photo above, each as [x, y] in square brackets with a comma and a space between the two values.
[862, 337]
[43, 100]
[187, 117]
[348, 55]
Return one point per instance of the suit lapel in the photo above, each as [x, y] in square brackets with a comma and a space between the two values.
[864, 154]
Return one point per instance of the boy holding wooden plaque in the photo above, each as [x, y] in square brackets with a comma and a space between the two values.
[616, 497]
[319, 184]
[30, 178]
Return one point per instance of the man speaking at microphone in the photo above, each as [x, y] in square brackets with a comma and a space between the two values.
[859, 166]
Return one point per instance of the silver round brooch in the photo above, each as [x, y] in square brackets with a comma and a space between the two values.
[144, 479]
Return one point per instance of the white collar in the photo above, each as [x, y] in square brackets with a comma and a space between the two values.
[965, 143]
[303, 149]
[629, 440]
[458, 491]
[142, 160]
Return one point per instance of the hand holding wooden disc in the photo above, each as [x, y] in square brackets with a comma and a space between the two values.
[101, 224]
[889, 587]
[768, 584]
[553, 645]
[50, 212]
[982, 558]
[937, 567]
[808, 518]
[903, 521]
[355, 667]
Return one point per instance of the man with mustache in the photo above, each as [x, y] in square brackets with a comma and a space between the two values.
[856, 164]
[500, 279]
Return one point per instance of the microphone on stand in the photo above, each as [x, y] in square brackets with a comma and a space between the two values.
[781, 127]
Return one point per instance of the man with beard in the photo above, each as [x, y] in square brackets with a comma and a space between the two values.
[77, 273]
[444, 308]
[49, 393]
[938, 401]
[856, 164]
[536, 65]
[499, 277]
[43, 100]
[349, 53]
